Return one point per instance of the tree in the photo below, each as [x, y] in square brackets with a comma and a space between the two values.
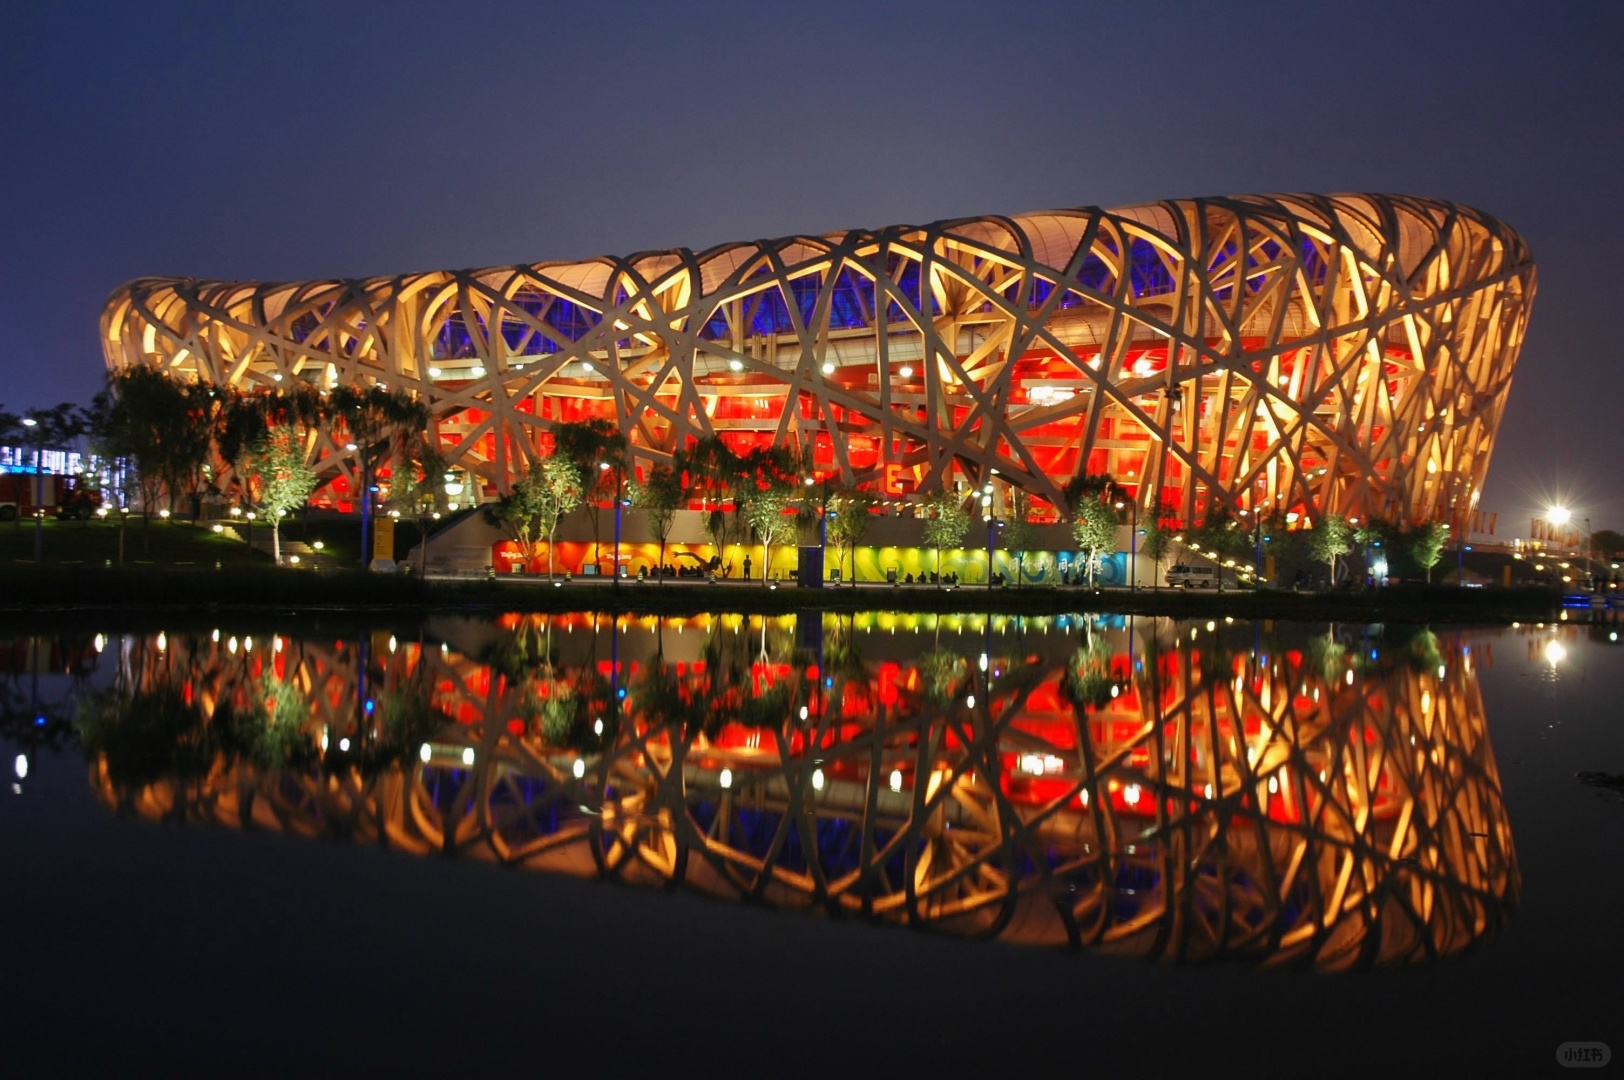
[766, 489]
[561, 484]
[551, 489]
[1330, 539]
[947, 525]
[1605, 543]
[279, 466]
[58, 426]
[1094, 531]
[710, 470]
[1156, 546]
[769, 512]
[241, 421]
[144, 417]
[1426, 545]
[519, 511]
[1083, 489]
[598, 450]
[373, 417]
[1374, 534]
[10, 428]
[1019, 534]
[377, 422]
[417, 488]
[850, 512]
[1225, 539]
[659, 497]
[188, 461]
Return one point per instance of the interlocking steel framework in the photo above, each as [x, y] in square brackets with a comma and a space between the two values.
[1165, 792]
[1299, 353]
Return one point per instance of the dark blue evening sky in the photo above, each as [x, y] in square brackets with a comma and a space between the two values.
[302, 140]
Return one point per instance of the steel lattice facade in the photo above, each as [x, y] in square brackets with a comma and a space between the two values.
[1299, 353]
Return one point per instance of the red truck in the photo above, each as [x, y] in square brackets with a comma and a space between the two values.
[63, 496]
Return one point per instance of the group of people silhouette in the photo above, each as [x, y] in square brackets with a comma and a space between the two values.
[932, 578]
[713, 569]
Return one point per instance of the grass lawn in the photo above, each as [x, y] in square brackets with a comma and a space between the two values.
[180, 543]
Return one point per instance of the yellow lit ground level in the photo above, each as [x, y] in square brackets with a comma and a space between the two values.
[865, 564]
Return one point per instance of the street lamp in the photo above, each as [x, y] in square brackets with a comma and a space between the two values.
[1590, 559]
[367, 489]
[620, 483]
[1257, 543]
[1133, 542]
[823, 528]
[38, 431]
[992, 526]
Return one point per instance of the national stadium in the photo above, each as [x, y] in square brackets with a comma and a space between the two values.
[1300, 354]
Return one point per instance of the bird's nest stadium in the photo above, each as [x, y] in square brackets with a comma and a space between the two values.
[1301, 354]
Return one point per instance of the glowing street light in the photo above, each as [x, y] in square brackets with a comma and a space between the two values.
[37, 429]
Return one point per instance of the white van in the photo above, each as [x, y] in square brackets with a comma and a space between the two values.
[1197, 577]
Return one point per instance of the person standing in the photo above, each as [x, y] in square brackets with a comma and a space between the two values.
[747, 567]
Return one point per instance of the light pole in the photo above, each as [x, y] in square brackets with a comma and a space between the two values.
[823, 527]
[1460, 558]
[620, 483]
[993, 525]
[1590, 564]
[366, 501]
[1257, 543]
[1133, 541]
[987, 516]
[38, 431]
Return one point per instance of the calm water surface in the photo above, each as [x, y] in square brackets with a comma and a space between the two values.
[280, 847]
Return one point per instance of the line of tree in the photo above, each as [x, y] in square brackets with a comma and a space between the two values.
[184, 439]
[757, 496]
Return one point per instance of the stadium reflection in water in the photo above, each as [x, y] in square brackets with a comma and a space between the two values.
[1175, 791]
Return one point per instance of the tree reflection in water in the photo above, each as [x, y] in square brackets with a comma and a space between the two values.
[1186, 792]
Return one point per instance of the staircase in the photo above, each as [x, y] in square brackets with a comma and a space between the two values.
[308, 556]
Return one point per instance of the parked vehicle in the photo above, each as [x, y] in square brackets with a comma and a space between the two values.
[1183, 576]
[63, 496]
